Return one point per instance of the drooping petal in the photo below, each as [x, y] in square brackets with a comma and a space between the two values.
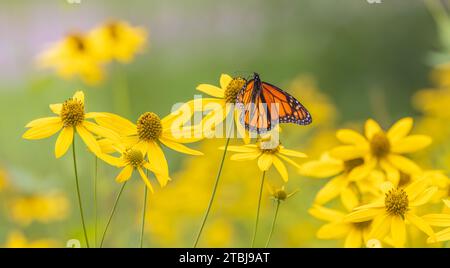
[392, 174]
[225, 79]
[381, 226]
[240, 149]
[101, 131]
[281, 168]
[403, 164]
[362, 171]
[290, 161]
[349, 136]
[371, 128]
[64, 141]
[56, 108]
[322, 168]
[331, 190]
[157, 158]
[42, 131]
[125, 174]
[411, 144]
[291, 153]
[89, 140]
[41, 122]
[113, 161]
[398, 232]
[348, 152]
[117, 124]
[79, 95]
[179, 147]
[333, 231]
[245, 156]
[362, 215]
[162, 179]
[145, 179]
[420, 223]
[326, 214]
[441, 236]
[349, 198]
[440, 220]
[265, 161]
[400, 129]
[354, 239]
[211, 90]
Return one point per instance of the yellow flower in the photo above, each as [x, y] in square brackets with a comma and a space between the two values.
[266, 156]
[41, 208]
[356, 234]
[381, 148]
[117, 40]
[16, 239]
[133, 159]
[73, 56]
[350, 179]
[147, 134]
[391, 213]
[70, 118]
[225, 100]
[433, 102]
[439, 220]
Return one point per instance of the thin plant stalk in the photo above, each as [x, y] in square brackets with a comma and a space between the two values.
[259, 207]
[273, 223]
[77, 184]
[95, 202]
[112, 213]
[141, 238]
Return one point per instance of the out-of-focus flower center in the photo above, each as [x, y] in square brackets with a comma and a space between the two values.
[405, 179]
[362, 225]
[233, 89]
[379, 145]
[72, 113]
[280, 194]
[149, 127]
[78, 42]
[396, 202]
[349, 165]
[134, 158]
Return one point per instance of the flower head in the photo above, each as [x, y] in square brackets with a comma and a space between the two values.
[71, 118]
[280, 194]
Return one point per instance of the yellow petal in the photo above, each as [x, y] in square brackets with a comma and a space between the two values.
[400, 129]
[440, 220]
[179, 147]
[265, 161]
[349, 198]
[125, 174]
[145, 179]
[349, 136]
[416, 188]
[289, 161]
[242, 133]
[56, 108]
[240, 149]
[79, 95]
[211, 90]
[245, 156]
[117, 124]
[392, 174]
[398, 232]
[411, 144]
[381, 226]
[348, 152]
[157, 158]
[42, 131]
[225, 79]
[403, 164]
[326, 214]
[162, 179]
[101, 131]
[420, 223]
[291, 153]
[363, 215]
[322, 168]
[281, 168]
[443, 235]
[423, 197]
[333, 231]
[331, 190]
[362, 171]
[89, 140]
[354, 239]
[41, 122]
[63, 142]
[113, 161]
[371, 128]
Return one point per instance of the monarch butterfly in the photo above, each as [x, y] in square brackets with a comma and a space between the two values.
[264, 105]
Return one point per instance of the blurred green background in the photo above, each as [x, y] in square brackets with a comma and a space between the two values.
[368, 58]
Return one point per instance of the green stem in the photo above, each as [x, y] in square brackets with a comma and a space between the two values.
[78, 191]
[259, 207]
[213, 194]
[95, 202]
[112, 213]
[141, 239]
[273, 223]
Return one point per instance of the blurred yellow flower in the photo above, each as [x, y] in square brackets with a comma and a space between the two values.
[356, 234]
[225, 98]
[71, 118]
[133, 159]
[439, 220]
[280, 194]
[41, 208]
[390, 214]
[147, 134]
[118, 40]
[75, 55]
[381, 148]
[266, 156]
[16, 239]
[219, 234]
[4, 180]
[433, 102]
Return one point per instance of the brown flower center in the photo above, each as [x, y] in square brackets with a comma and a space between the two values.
[78, 42]
[380, 145]
[149, 127]
[233, 89]
[72, 113]
[134, 158]
[396, 202]
[280, 194]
